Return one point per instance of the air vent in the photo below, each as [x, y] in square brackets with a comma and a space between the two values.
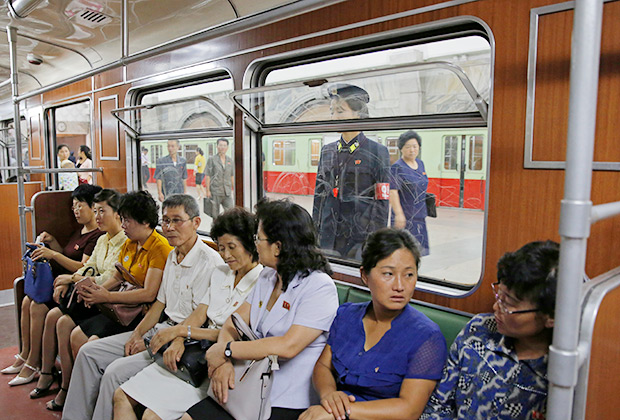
[90, 18]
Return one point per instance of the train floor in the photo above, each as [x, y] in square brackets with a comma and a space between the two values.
[15, 404]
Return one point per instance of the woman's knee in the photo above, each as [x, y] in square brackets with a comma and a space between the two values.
[120, 397]
[38, 310]
[52, 317]
[26, 305]
[150, 415]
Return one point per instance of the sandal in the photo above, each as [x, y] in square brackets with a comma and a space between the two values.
[40, 392]
[21, 380]
[53, 405]
[14, 369]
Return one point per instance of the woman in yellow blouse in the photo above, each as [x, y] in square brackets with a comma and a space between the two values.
[200, 163]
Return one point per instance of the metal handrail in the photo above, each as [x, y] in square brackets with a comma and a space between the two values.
[478, 101]
[115, 112]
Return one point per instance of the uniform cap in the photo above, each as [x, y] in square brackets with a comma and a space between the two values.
[347, 91]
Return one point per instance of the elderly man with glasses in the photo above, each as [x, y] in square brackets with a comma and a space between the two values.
[100, 366]
[497, 366]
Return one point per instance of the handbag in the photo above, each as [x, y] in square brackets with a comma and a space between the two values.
[122, 313]
[253, 380]
[38, 277]
[70, 300]
[431, 205]
[193, 367]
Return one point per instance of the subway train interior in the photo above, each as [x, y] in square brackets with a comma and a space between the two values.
[515, 102]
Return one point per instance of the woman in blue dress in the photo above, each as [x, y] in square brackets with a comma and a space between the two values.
[408, 190]
[383, 358]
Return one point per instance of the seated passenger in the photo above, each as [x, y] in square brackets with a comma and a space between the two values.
[383, 358]
[497, 366]
[290, 309]
[100, 367]
[58, 327]
[166, 396]
[63, 260]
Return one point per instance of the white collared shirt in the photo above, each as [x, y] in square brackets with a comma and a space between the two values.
[223, 298]
[184, 284]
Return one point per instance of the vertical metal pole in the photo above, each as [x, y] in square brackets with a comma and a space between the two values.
[576, 205]
[124, 30]
[21, 194]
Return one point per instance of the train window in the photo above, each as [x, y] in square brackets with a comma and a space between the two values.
[476, 145]
[196, 154]
[8, 150]
[70, 125]
[363, 103]
[283, 152]
[315, 151]
[450, 154]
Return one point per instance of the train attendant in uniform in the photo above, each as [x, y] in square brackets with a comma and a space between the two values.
[383, 358]
[103, 365]
[63, 260]
[408, 190]
[290, 309]
[166, 396]
[497, 366]
[352, 184]
[171, 172]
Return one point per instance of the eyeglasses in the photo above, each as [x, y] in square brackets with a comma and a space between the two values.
[257, 239]
[175, 221]
[502, 304]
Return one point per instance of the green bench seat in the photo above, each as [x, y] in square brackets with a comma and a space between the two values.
[450, 323]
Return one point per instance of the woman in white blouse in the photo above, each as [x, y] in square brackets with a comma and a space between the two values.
[162, 394]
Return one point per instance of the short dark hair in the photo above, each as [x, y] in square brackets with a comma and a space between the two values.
[531, 273]
[86, 193]
[177, 140]
[144, 149]
[200, 152]
[60, 146]
[84, 148]
[110, 196]
[292, 226]
[189, 203]
[406, 136]
[239, 223]
[139, 206]
[222, 139]
[384, 242]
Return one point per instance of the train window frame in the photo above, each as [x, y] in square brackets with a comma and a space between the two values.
[255, 77]
[51, 138]
[185, 136]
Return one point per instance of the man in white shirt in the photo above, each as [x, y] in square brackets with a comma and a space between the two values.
[100, 367]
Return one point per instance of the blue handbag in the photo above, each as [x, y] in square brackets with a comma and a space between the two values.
[38, 278]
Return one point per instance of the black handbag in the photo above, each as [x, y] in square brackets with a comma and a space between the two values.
[192, 368]
[431, 205]
[69, 301]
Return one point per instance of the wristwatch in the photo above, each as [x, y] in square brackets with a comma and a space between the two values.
[228, 351]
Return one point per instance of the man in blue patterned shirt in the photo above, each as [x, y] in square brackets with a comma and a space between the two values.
[497, 366]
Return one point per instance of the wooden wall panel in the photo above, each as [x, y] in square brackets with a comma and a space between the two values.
[10, 246]
[36, 142]
[109, 146]
[74, 89]
[552, 85]
[110, 77]
[602, 401]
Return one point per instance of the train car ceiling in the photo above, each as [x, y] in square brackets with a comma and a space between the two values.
[72, 37]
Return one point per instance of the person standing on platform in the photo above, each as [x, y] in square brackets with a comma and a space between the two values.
[200, 162]
[408, 190]
[171, 172]
[219, 178]
[144, 165]
[352, 184]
